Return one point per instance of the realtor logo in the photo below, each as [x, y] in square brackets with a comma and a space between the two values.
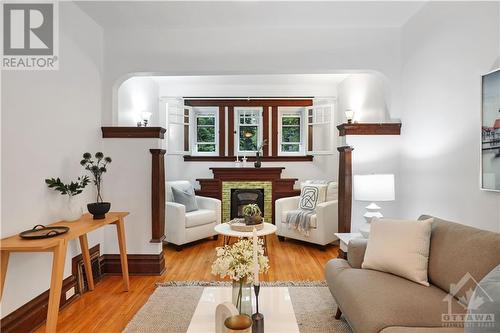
[29, 36]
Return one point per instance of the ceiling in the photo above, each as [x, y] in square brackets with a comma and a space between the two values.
[261, 14]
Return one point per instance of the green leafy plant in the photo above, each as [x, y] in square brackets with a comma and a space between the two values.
[71, 189]
[251, 210]
[97, 167]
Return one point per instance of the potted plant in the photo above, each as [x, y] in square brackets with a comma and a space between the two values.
[258, 162]
[97, 167]
[237, 262]
[252, 214]
[72, 211]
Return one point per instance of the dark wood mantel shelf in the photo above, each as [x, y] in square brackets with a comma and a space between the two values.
[133, 132]
[369, 129]
[189, 158]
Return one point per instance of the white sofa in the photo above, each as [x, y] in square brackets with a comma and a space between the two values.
[181, 227]
[324, 222]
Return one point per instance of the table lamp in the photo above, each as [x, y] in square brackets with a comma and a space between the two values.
[373, 188]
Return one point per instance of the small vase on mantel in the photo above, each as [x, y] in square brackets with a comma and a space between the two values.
[257, 162]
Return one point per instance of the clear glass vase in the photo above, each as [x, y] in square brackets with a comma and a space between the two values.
[242, 296]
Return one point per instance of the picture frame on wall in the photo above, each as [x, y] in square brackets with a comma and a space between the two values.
[490, 131]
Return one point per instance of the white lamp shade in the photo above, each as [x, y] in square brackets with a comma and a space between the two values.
[374, 187]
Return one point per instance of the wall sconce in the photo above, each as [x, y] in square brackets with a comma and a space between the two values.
[145, 117]
[349, 114]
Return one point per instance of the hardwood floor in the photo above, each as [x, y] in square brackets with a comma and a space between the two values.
[108, 308]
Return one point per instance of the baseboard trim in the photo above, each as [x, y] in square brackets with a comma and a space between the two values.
[31, 315]
[138, 264]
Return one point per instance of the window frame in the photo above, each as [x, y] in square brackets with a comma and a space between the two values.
[260, 128]
[204, 111]
[298, 112]
[315, 117]
[177, 114]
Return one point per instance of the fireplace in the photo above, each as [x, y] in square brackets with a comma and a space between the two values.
[242, 197]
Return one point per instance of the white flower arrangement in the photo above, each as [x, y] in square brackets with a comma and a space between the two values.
[236, 261]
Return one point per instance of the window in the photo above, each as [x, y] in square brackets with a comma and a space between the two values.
[248, 129]
[178, 122]
[320, 125]
[206, 131]
[291, 141]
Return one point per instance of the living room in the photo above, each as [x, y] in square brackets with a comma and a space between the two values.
[328, 133]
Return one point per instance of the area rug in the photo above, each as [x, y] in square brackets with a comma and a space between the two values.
[172, 304]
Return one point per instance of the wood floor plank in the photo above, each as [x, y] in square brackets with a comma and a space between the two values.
[108, 308]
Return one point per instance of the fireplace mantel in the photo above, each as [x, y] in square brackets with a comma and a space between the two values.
[281, 187]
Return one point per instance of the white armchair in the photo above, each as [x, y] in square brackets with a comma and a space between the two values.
[324, 224]
[181, 227]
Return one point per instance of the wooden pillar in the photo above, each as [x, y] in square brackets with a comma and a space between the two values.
[157, 195]
[265, 127]
[230, 131]
[345, 188]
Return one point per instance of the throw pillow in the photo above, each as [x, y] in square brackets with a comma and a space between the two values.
[400, 247]
[186, 198]
[321, 189]
[309, 197]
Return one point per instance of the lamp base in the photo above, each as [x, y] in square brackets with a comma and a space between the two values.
[372, 210]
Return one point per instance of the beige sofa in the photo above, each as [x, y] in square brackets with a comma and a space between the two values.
[373, 301]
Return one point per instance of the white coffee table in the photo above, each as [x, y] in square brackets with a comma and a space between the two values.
[274, 303]
[225, 230]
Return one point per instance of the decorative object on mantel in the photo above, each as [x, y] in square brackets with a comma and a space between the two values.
[222, 312]
[97, 168]
[145, 118]
[373, 188]
[258, 162]
[40, 231]
[73, 209]
[252, 214]
[349, 115]
[369, 129]
[238, 262]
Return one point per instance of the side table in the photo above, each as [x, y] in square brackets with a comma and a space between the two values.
[344, 239]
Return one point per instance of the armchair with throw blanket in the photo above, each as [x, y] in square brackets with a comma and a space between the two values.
[316, 222]
[188, 217]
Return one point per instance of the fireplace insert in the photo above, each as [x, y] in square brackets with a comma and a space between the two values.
[242, 197]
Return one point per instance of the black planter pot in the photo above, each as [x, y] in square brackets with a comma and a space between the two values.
[99, 209]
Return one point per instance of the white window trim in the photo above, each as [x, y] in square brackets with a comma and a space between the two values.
[237, 111]
[175, 108]
[303, 131]
[332, 105]
[203, 111]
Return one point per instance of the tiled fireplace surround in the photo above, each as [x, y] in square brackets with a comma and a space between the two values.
[267, 178]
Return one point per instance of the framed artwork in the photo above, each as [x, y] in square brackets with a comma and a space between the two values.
[490, 132]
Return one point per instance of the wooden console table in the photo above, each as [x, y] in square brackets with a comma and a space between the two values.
[58, 245]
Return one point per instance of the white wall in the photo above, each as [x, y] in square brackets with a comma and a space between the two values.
[49, 119]
[446, 47]
[136, 95]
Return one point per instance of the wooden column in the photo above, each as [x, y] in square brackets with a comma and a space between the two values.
[230, 131]
[274, 134]
[222, 130]
[157, 195]
[345, 188]
[265, 127]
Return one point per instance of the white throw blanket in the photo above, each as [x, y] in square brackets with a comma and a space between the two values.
[300, 220]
